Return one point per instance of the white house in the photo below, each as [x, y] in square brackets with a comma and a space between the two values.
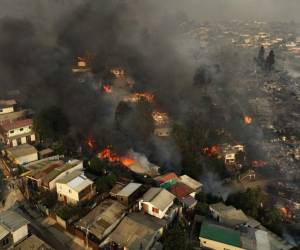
[17, 132]
[75, 187]
[156, 202]
[14, 224]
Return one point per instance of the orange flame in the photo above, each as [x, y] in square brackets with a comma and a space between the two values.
[90, 142]
[211, 151]
[248, 119]
[112, 157]
[107, 89]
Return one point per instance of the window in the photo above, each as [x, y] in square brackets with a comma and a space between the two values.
[12, 131]
[21, 129]
[70, 191]
[5, 242]
[1, 110]
[155, 210]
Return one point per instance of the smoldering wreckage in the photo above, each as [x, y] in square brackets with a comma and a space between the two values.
[116, 64]
[124, 79]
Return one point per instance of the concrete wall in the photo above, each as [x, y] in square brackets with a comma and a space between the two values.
[64, 190]
[6, 110]
[19, 131]
[160, 213]
[20, 234]
[26, 158]
[217, 245]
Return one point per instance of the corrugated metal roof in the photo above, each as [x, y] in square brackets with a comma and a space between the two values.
[76, 180]
[102, 217]
[21, 150]
[12, 221]
[159, 198]
[129, 189]
[3, 232]
[17, 124]
[192, 183]
[220, 234]
[137, 230]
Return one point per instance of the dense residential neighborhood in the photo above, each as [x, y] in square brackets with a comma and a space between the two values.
[149, 125]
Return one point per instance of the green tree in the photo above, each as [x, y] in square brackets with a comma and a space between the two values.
[176, 238]
[105, 183]
[96, 166]
[270, 61]
[51, 123]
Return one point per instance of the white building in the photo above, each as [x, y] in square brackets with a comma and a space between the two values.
[14, 225]
[74, 188]
[17, 133]
[22, 154]
[156, 202]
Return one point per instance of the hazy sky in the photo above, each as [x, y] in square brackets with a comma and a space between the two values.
[285, 10]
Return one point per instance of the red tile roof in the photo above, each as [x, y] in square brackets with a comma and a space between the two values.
[16, 124]
[181, 190]
[166, 177]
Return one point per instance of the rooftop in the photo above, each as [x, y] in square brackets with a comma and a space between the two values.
[3, 232]
[16, 124]
[11, 220]
[192, 183]
[60, 169]
[102, 217]
[166, 177]
[136, 230]
[76, 180]
[220, 234]
[159, 197]
[181, 190]
[33, 243]
[7, 103]
[129, 189]
[21, 150]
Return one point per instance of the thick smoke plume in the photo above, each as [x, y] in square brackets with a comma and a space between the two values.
[39, 44]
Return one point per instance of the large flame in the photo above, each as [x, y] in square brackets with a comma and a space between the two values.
[112, 157]
[248, 119]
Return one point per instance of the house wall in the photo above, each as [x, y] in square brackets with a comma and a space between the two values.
[26, 158]
[64, 190]
[14, 142]
[19, 131]
[6, 110]
[52, 184]
[20, 234]
[217, 245]
[160, 213]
